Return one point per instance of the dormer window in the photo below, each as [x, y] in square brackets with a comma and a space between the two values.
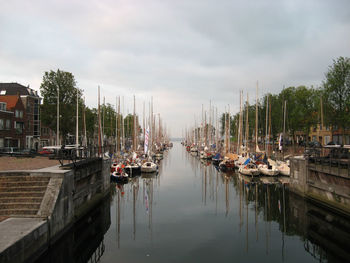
[3, 106]
[19, 113]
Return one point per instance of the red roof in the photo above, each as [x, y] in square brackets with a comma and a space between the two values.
[11, 101]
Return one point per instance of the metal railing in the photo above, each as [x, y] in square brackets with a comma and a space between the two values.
[74, 155]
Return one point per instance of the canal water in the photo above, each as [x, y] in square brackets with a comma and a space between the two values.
[190, 212]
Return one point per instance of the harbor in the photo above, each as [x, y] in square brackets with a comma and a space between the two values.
[175, 131]
[192, 211]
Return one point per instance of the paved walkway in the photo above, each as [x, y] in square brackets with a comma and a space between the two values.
[14, 163]
[16, 233]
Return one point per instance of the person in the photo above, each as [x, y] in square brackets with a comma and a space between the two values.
[280, 143]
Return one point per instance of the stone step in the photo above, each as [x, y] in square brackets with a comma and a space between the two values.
[15, 199]
[7, 206]
[18, 212]
[22, 194]
[23, 189]
[23, 183]
[23, 178]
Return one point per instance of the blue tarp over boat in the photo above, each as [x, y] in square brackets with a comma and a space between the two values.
[217, 157]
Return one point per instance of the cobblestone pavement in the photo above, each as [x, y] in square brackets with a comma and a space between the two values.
[14, 163]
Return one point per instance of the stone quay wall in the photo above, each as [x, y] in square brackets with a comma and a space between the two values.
[69, 195]
[326, 184]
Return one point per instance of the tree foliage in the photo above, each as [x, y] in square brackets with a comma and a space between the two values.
[67, 86]
[337, 93]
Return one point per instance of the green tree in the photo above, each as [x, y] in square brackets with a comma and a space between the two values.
[67, 86]
[109, 119]
[91, 116]
[337, 93]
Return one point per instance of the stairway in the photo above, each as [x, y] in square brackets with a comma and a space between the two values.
[21, 195]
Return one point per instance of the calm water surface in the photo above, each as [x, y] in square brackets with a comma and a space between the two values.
[190, 212]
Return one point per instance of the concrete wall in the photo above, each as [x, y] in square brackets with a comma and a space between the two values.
[326, 234]
[298, 174]
[322, 184]
[70, 195]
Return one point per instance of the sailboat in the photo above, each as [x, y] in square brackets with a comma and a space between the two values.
[248, 167]
[268, 169]
[148, 166]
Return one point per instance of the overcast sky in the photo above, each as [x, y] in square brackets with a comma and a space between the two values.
[184, 53]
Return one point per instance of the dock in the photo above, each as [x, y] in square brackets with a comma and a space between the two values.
[39, 206]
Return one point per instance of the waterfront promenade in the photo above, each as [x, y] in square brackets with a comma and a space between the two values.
[13, 163]
[40, 202]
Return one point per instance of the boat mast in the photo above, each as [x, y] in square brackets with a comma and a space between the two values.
[58, 117]
[239, 124]
[209, 126]
[266, 126]
[144, 127]
[269, 133]
[122, 125]
[247, 126]
[256, 119]
[99, 125]
[228, 130]
[77, 122]
[84, 123]
[103, 118]
[134, 127]
[217, 129]
[284, 127]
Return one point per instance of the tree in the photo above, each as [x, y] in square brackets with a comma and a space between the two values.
[91, 117]
[337, 93]
[65, 83]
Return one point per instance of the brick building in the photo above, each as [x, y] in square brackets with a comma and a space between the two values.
[31, 102]
[12, 121]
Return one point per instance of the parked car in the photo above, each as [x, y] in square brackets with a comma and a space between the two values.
[29, 151]
[45, 152]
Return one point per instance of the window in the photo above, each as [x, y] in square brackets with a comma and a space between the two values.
[8, 124]
[3, 106]
[17, 113]
[1, 142]
[21, 114]
[1, 124]
[19, 127]
[327, 139]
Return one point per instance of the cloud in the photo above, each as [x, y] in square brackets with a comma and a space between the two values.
[183, 53]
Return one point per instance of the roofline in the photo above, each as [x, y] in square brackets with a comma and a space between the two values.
[29, 96]
[7, 111]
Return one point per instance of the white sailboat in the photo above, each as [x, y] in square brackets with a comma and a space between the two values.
[149, 166]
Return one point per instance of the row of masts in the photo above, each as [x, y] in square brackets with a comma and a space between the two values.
[207, 133]
[152, 124]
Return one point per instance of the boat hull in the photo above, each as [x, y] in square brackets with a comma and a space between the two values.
[250, 171]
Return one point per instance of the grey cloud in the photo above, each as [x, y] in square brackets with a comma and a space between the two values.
[184, 53]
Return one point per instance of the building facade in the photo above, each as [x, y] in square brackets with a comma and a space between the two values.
[12, 122]
[322, 134]
[31, 102]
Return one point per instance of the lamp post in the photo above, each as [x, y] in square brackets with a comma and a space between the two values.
[58, 117]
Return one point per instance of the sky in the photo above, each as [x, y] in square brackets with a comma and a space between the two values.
[184, 53]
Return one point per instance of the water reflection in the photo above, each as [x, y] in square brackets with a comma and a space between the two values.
[84, 242]
[191, 212]
[139, 189]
